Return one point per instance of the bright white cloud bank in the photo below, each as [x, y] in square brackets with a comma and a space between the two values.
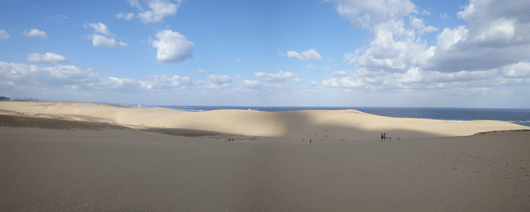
[492, 51]
[172, 47]
[35, 33]
[48, 58]
[59, 76]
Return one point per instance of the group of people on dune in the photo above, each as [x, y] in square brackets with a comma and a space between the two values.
[383, 137]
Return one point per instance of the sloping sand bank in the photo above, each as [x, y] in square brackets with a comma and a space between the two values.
[129, 170]
[295, 125]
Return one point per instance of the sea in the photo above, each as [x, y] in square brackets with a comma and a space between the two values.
[516, 116]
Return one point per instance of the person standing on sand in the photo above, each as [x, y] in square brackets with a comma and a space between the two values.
[309, 140]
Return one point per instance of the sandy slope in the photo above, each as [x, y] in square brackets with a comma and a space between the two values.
[297, 125]
[84, 159]
[128, 170]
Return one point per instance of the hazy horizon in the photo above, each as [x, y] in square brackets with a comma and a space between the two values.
[330, 53]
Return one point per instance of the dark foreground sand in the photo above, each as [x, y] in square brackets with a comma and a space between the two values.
[129, 170]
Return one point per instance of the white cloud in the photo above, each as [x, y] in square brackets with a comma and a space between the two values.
[60, 75]
[136, 4]
[99, 40]
[155, 82]
[393, 49]
[239, 60]
[100, 28]
[152, 83]
[309, 55]
[127, 16]
[293, 54]
[218, 81]
[199, 71]
[48, 58]
[35, 33]
[313, 83]
[418, 24]
[426, 12]
[172, 47]
[444, 16]
[310, 66]
[341, 73]
[158, 10]
[4, 35]
[518, 70]
[278, 77]
[254, 85]
[371, 13]
[346, 82]
[494, 38]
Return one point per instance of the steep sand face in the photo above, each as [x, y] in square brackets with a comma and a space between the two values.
[257, 123]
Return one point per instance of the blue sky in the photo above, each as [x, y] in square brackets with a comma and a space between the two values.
[395, 53]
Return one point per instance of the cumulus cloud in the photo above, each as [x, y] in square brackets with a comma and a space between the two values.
[156, 12]
[127, 16]
[239, 60]
[310, 66]
[99, 40]
[172, 47]
[4, 35]
[199, 71]
[494, 38]
[215, 81]
[278, 77]
[48, 58]
[497, 35]
[444, 16]
[341, 73]
[35, 33]
[309, 55]
[102, 39]
[100, 28]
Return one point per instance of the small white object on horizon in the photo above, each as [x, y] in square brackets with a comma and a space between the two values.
[139, 106]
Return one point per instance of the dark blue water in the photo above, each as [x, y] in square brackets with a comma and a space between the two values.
[517, 116]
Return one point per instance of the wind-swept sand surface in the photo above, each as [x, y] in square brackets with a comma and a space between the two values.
[100, 161]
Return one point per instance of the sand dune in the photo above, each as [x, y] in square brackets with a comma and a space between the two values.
[294, 124]
[91, 157]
